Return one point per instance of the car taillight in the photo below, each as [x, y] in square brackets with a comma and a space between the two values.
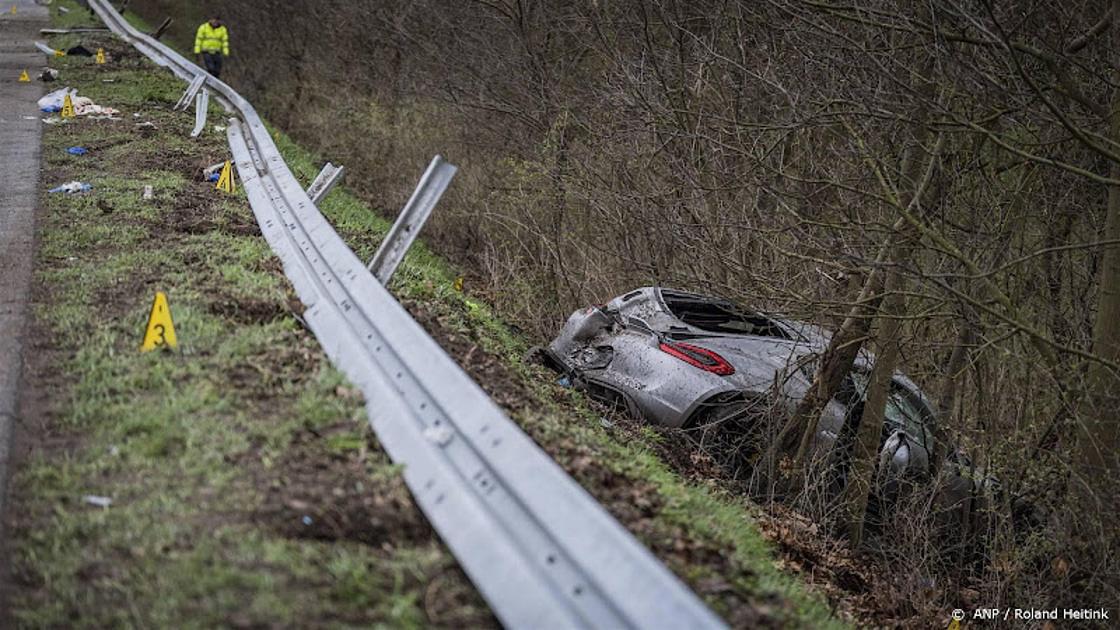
[698, 357]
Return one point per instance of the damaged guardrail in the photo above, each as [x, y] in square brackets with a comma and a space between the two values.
[541, 550]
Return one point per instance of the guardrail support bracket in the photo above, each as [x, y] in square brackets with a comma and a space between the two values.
[324, 182]
[192, 89]
[201, 107]
[411, 219]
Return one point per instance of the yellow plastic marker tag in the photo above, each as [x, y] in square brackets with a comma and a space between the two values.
[24, 78]
[60, 53]
[13, 9]
[954, 624]
[100, 56]
[225, 180]
[161, 330]
[67, 107]
[458, 284]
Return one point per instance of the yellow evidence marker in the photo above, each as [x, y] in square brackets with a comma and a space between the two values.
[161, 330]
[100, 56]
[225, 180]
[13, 9]
[458, 285]
[67, 108]
[24, 78]
[60, 53]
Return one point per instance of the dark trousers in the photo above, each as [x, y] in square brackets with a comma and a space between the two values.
[213, 63]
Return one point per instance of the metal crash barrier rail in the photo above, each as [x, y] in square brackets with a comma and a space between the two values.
[540, 549]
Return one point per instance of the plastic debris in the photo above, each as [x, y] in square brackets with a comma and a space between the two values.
[48, 75]
[52, 102]
[213, 172]
[101, 502]
[306, 520]
[149, 192]
[564, 381]
[83, 106]
[77, 150]
[72, 187]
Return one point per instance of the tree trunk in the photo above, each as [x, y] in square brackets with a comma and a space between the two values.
[1099, 439]
[866, 448]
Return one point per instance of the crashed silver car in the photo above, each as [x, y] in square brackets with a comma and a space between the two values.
[690, 361]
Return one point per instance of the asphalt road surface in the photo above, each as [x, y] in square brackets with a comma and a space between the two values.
[19, 184]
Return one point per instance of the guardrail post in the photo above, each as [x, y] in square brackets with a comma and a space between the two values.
[201, 106]
[162, 28]
[192, 89]
[324, 182]
[411, 219]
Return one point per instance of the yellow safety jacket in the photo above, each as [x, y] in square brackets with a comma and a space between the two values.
[211, 40]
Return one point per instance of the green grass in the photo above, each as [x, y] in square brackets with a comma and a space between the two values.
[192, 445]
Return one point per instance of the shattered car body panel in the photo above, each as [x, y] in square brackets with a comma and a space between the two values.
[682, 360]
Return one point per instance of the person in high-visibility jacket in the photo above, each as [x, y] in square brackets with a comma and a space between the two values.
[211, 44]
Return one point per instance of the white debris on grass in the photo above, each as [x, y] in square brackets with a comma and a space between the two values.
[98, 501]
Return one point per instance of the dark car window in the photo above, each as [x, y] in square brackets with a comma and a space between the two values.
[720, 316]
[902, 412]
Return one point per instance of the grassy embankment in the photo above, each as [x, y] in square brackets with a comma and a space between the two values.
[246, 487]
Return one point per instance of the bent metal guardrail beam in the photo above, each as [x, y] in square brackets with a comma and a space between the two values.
[538, 547]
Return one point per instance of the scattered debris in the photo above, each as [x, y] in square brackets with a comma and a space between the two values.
[101, 502]
[307, 520]
[52, 102]
[43, 48]
[80, 51]
[83, 105]
[72, 188]
[67, 31]
[48, 75]
[213, 172]
[146, 128]
[77, 150]
[149, 192]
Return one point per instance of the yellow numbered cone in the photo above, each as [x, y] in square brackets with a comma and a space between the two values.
[60, 53]
[13, 9]
[24, 78]
[225, 180]
[67, 107]
[160, 332]
[100, 56]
